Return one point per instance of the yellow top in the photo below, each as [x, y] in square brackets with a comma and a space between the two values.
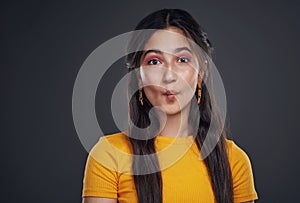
[184, 174]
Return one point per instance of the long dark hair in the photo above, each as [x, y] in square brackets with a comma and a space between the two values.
[149, 186]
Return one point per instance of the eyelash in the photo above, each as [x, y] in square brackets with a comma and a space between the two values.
[184, 57]
[151, 60]
[187, 59]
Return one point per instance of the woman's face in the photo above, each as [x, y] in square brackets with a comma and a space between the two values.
[169, 70]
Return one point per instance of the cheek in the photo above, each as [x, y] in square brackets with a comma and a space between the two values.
[153, 94]
[151, 76]
[189, 78]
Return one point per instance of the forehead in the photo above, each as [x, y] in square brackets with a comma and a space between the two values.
[167, 40]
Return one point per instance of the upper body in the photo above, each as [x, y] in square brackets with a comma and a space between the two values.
[185, 178]
[173, 72]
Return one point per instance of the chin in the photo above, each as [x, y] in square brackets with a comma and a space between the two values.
[171, 109]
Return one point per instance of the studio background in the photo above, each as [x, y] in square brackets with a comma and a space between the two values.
[43, 45]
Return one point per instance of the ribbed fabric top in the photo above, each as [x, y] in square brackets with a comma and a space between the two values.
[184, 174]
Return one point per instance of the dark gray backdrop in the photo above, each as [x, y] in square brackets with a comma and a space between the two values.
[43, 45]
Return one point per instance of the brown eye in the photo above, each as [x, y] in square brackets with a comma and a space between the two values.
[154, 62]
[183, 59]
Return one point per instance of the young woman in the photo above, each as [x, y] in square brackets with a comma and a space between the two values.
[167, 144]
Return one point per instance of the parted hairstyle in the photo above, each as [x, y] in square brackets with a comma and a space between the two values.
[149, 186]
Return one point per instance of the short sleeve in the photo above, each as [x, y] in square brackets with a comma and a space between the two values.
[99, 180]
[242, 176]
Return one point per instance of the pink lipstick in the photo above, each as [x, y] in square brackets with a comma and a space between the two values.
[171, 94]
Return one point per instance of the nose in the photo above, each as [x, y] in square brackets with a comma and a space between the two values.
[169, 75]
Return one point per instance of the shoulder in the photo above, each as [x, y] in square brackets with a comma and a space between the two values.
[115, 141]
[235, 152]
[242, 176]
[238, 159]
[113, 151]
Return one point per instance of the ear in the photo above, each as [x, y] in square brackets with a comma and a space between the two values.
[139, 79]
[200, 77]
[140, 84]
[202, 69]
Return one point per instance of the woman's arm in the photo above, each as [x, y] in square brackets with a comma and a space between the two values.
[100, 183]
[98, 200]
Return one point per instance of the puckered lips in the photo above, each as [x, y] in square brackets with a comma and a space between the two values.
[170, 94]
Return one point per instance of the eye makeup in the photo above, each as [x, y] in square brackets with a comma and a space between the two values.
[152, 57]
[153, 54]
[184, 56]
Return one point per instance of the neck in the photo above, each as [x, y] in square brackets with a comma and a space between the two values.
[177, 125]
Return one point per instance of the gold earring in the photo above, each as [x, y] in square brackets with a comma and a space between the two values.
[141, 96]
[199, 94]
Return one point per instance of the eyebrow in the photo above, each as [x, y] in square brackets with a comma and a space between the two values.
[160, 52]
